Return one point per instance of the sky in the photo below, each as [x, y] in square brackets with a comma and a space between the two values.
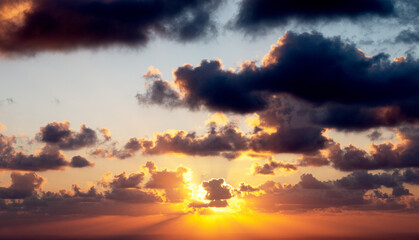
[187, 119]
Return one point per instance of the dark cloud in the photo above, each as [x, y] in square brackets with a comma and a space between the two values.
[322, 73]
[367, 181]
[61, 135]
[269, 167]
[66, 25]
[291, 140]
[124, 180]
[357, 191]
[23, 186]
[375, 135]
[48, 158]
[257, 15]
[216, 190]
[126, 188]
[80, 162]
[226, 139]
[132, 195]
[160, 93]
[217, 194]
[381, 156]
[408, 36]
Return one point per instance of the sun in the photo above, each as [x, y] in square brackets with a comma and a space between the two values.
[198, 195]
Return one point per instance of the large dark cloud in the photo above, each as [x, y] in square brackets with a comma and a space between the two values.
[66, 25]
[257, 15]
[61, 135]
[23, 186]
[337, 83]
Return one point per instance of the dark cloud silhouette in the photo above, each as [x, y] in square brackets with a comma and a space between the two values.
[48, 158]
[323, 72]
[23, 186]
[67, 25]
[357, 191]
[367, 181]
[132, 195]
[216, 190]
[124, 180]
[257, 15]
[291, 140]
[126, 188]
[381, 156]
[217, 194]
[80, 162]
[61, 135]
[226, 139]
[269, 167]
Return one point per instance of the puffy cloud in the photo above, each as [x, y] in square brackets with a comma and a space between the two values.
[269, 167]
[48, 157]
[124, 180]
[291, 140]
[322, 73]
[216, 190]
[357, 191]
[217, 193]
[226, 140]
[126, 188]
[381, 156]
[23, 186]
[66, 25]
[61, 135]
[257, 15]
[174, 183]
[80, 162]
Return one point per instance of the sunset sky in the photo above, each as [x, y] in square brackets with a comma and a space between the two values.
[216, 119]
